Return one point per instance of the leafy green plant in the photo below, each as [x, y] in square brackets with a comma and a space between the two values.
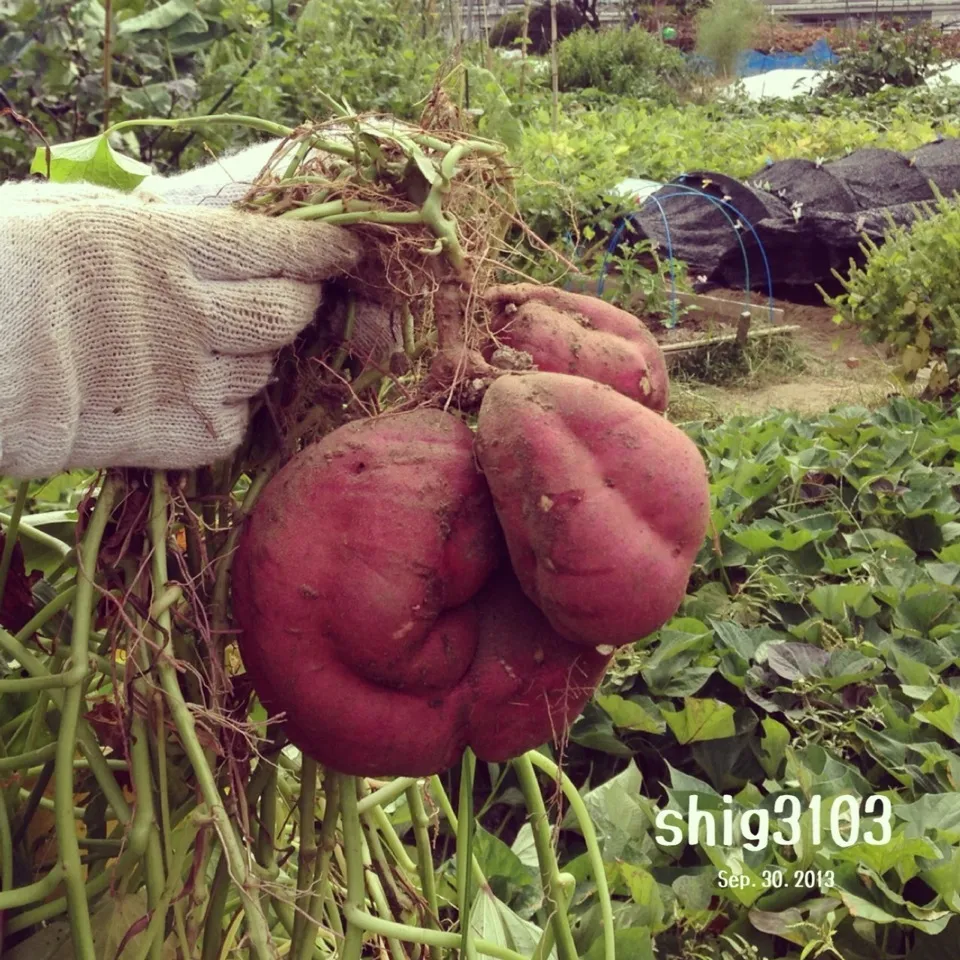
[816, 654]
[638, 279]
[176, 59]
[620, 62]
[725, 29]
[900, 56]
[566, 178]
[156, 54]
[906, 293]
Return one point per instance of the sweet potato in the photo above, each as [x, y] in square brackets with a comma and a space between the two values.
[583, 336]
[604, 503]
[527, 684]
[350, 582]
[371, 615]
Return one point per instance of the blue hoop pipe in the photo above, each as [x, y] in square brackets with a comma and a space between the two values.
[722, 205]
[687, 191]
[681, 191]
[631, 217]
[752, 229]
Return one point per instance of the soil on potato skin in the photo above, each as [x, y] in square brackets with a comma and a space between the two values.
[840, 369]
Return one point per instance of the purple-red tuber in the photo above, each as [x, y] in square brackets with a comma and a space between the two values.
[582, 336]
[604, 503]
[379, 614]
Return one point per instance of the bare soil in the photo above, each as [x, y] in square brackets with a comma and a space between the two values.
[839, 368]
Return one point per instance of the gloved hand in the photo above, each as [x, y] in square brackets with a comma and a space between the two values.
[377, 331]
[218, 183]
[133, 332]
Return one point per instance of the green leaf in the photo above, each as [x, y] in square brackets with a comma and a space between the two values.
[760, 538]
[743, 641]
[900, 852]
[491, 919]
[621, 816]
[788, 924]
[645, 892]
[923, 609]
[93, 161]
[944, 878]
[880, 541]
[734, 864]
[499, 861]
[846, 666]
[942, 711]
[796, 661]
[860, 906]
[700, 720]
[429, 171]
[497, 121]
[594, 729]
[833, 600]
[936, 814]
[695, 890]
[632, 714]
[633, 942]
[173, 18]
[774, 743]
[672, 682]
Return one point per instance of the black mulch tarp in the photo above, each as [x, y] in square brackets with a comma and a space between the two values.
[798, 218]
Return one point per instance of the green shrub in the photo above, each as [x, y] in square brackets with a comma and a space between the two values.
[620, 62]
[725, 30]
[907, 293]
[898, 57]
[268, 60]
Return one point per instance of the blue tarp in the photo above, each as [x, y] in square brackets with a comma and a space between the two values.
[815, 56]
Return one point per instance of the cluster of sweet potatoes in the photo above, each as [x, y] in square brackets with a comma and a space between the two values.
[406, 588]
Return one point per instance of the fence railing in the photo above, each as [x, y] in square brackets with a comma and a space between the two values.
[478, 12]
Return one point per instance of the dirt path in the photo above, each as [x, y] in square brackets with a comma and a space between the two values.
[840, 370]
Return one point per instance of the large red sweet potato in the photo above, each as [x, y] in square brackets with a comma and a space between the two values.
[371, 614]
[527, 684]
[584, 336]
[604, 503]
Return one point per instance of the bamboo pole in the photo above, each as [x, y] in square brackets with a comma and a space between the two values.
[726, 338]
[554, 67]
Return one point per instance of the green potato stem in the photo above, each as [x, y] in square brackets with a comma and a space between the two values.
[353, 852]
[549, 869]
[428, 881]
[594, 855]
[76, 669]
[10, 541]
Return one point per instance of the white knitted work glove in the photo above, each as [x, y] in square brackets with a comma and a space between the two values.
[377, 332]
[134, 332]
[215, 184]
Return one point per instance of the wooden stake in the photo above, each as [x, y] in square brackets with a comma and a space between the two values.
[726, 338]
[554, 64]
[107, 58]
[523, 45]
